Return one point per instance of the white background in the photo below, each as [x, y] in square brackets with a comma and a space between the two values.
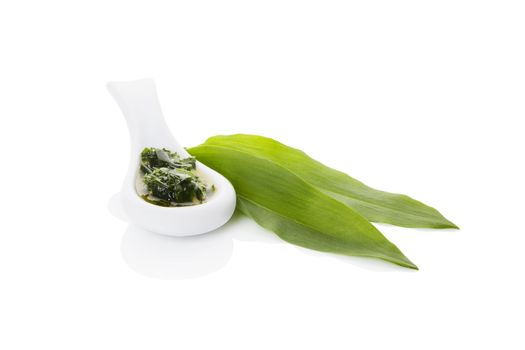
[418, 97]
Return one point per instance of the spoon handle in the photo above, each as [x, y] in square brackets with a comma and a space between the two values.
[139, 103]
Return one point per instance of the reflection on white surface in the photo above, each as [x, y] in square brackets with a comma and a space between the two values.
[164, 257]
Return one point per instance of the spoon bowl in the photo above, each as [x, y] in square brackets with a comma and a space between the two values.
[138, 102]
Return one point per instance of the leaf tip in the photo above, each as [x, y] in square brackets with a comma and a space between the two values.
[407, 263]
[449, 224]
[398, 258]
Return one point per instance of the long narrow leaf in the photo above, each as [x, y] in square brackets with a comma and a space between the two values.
[281, 201]
[375, 205]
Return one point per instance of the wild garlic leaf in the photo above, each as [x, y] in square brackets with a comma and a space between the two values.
[375, 205]
[298, 212]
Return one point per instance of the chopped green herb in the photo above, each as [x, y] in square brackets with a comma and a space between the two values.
[171, 180]
[153, 158]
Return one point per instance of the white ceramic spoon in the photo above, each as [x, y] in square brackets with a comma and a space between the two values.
[139, 103]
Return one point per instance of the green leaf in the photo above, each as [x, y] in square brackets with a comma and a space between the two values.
[298, 212]
[375, 205]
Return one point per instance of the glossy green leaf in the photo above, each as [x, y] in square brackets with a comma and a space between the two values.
[297, 211]
[375, 205]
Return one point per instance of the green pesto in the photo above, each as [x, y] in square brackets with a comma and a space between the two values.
[169, 179]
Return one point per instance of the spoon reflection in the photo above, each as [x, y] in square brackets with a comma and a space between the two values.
[165, 257]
